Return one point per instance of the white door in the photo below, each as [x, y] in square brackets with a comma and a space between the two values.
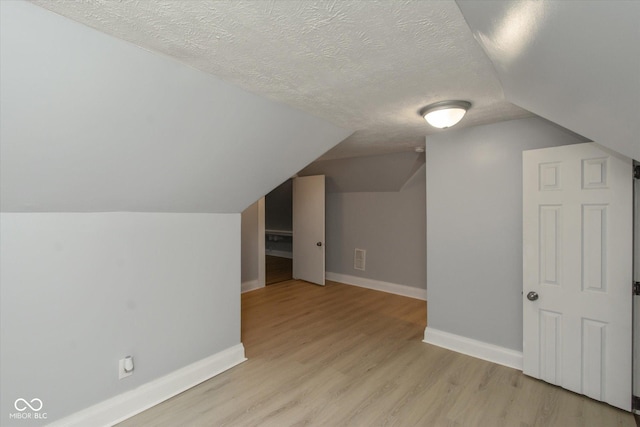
[577, 263]
[308, 229]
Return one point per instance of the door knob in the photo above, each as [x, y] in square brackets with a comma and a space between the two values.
[319, 244]
[532, 296]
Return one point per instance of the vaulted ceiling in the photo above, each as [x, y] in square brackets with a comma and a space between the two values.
[363, 65]
[369, 66]
[576, 63]
[205, 106]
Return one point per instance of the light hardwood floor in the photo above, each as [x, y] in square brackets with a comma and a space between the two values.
[345, 356]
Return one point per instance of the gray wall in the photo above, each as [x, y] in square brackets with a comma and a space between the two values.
[81, 291]
[389, 225]
[249, 245]
[474, 227]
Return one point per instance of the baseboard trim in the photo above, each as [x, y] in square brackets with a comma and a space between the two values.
[470, 347]
[250, 285]
[392, 288]
[130, 403]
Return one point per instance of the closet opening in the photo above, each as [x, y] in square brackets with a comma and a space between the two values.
[279, 234]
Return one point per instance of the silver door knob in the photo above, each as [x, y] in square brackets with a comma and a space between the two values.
[319, 244]
[532, 296]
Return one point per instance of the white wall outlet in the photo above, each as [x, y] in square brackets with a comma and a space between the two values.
[125, 367]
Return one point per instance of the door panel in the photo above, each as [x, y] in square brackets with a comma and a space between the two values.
[577, 258]
[308, 229]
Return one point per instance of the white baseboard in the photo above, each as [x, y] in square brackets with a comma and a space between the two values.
[250, 285]
[130, 403]
[475, 348]
[392, 288]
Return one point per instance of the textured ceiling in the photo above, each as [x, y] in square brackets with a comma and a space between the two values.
[363, 65]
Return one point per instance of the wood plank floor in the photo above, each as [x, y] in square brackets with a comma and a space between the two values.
[345, 356]
[278, 269]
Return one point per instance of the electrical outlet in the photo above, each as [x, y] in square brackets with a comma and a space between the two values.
[122, 371]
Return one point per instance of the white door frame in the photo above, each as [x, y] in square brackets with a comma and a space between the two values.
[636, 299]
[261, 245]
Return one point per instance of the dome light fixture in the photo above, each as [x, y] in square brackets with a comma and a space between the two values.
[445, 114]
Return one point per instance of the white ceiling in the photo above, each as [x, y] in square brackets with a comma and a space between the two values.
[362, 65]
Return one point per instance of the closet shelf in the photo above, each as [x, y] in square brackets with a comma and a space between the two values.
[279, 232]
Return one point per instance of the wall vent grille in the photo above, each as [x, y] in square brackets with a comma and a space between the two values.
[359, 259]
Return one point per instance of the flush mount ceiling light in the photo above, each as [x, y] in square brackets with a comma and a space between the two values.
[445, 114]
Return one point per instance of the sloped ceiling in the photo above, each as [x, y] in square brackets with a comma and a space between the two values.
[574, 63]
[93, 123]
[367, 65]
[387, 172]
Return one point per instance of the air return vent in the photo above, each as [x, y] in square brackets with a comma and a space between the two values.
[359, 259]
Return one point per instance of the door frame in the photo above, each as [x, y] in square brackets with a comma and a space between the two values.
[635, 345]
[262, 277]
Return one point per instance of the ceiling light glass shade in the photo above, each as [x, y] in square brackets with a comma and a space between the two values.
[445, 114]
[445, 118]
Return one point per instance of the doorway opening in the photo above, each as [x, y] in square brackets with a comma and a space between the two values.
[278, 213]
